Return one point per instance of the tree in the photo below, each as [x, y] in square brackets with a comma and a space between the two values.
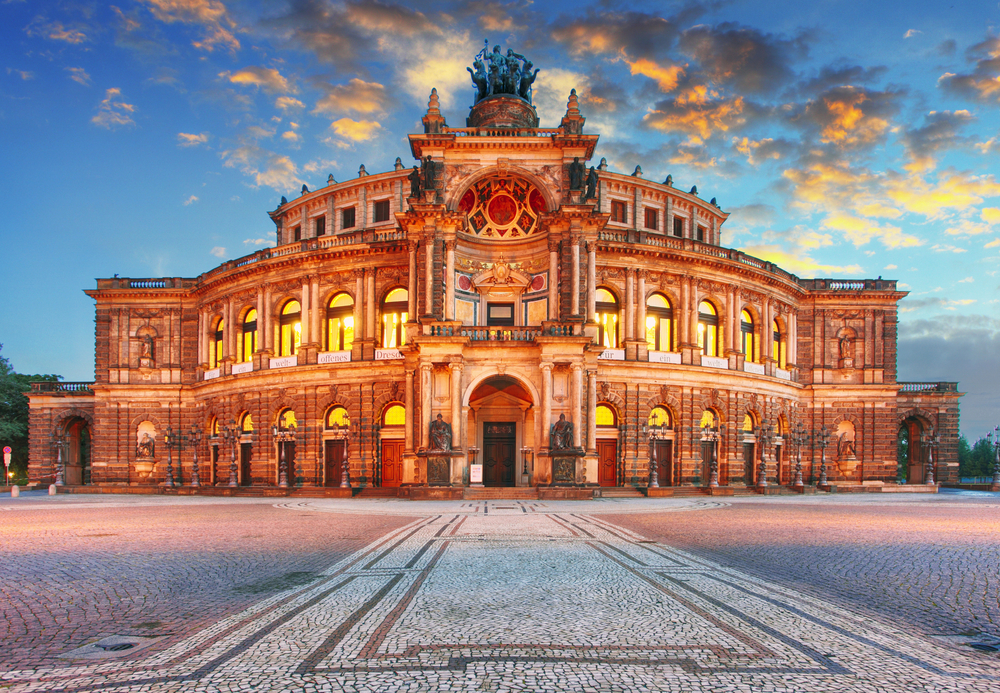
[964, 457]
[14, 413]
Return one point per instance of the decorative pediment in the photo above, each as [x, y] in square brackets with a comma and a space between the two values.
[501, 275]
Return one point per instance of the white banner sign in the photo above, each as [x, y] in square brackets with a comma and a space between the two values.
[243, 368]
[334, 357]
[613, 354]
[750, 367]
[664, 357]
[476, 474]
[214, 373]
[387, 354]
[284, 362]
[714, 362]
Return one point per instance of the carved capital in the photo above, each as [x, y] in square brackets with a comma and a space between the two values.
[449, 245]
[553, 246]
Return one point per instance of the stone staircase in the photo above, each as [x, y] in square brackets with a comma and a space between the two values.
[621, 492]
[507, 493]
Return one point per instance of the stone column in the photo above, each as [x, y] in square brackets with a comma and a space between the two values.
[359, 304]
[546, 403]
[425, 405]
[629, 303]
[768, 340]
[553, 280]
[408, 420]
[793, 338]
[449, 282]
[457, 440]
[574, 299]
[732, 320]
[411, 290]
[591, 412]
[314, 328]
[683, 314]
[231, 331]
[592, 282]
[201, 339]
[268, 321]
[370, 305]
[576, 402]
[640, 305]
[260, 320]
[306, 316]
[429, 275]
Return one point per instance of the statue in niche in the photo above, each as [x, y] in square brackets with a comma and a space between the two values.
[440, 434]
[146, 448]
[591, 184]
[414, 182]
[845, 345]
[561, 434]
[845, 447]
[147, 347]
[576, 171]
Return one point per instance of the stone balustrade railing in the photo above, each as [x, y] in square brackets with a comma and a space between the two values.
[928, 387]
[78, 388]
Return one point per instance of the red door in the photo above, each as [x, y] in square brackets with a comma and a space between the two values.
[665, 462]
[607, 462]
[392, 463]
[334, 455]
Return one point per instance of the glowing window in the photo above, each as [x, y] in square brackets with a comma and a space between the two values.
[394, 415]
[246, 423]
[748, 423]
[746, 335]
[290, 335]
[605, 416]
[659, 417]
[337, 417]
[708, 329]
[340, 323]
[659, 323]
[708, 418]
[215, 354]
[286, 419]
[607, 318]
[779, 347]
[213, 427]
[394, 316]
[249, 340]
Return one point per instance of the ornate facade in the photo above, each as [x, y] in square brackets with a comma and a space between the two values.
[557, 326]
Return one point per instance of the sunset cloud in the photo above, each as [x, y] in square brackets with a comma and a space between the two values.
[983, 83]
[79, 75]
[266, 168]
[113, 111]
[263, 77]
[287, 103]
[210, 15]
[56, 31]
[354, 130]
[698, 111]
[357, 96]
[186, 139]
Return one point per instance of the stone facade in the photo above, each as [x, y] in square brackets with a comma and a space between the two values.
[499, 297]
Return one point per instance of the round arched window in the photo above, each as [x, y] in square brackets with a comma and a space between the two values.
[286, 419]
[746, 335]
[248, 342]
[606, 416]
[337, 417]
[340, 323]
[394, 315]
[659, 323]
[246, 423]
[291, 329]
[394, 415]
[708, 329]
[607, 318]
[659, 417]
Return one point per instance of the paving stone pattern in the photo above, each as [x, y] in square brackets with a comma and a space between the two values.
[496, 596]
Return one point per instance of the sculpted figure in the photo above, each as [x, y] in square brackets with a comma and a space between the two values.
[561, 435]
[480, 79]
[147, 347]
[591, 184]
[146, 447]
[527, 79]
[414, 182]
[429, 173]
[440, 434]
[845, 347]
[576, 171]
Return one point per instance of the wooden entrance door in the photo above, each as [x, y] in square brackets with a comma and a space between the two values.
[392, 463]
[749, 466]
[332, 459]
[246, 454]
[665, 462]
[498, 454]
[607, 462]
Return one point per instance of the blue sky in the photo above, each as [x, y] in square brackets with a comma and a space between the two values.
[149, 138]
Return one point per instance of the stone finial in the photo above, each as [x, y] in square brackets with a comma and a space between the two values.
[715, 203]
[694, 189]
[330, 180]
[284, 201]
[637, 173]
[572, 122]
[669, 182]
[362, 172]
[399, 164]
[603, 166]
[305, 189]
[434, 121]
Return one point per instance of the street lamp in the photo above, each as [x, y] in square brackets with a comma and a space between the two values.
[652, 432]
[800, 437]
[765, 435]
[171, 439]
[996, 448]
[283, 436]
[822, 438]
[58, 441]
[231, 436]
[932, 444]
[712, 435]
[342, 431]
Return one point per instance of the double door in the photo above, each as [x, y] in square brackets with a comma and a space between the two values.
[499, 453]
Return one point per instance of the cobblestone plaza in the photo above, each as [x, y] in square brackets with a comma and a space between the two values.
[852, 593]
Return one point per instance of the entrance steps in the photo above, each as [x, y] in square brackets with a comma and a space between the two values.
[376, 492]
[620, 492]
[498, 493]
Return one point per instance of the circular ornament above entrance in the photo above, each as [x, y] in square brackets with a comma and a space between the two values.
[502, 208]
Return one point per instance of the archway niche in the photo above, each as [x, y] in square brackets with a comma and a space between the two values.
[501, 423]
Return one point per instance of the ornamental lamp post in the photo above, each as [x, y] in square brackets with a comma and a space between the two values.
[712, 435]
[171, 439]
[342, 431]
[822, 438]
[58, 441]
[654, 462]
[800, 437]
[231, 437]
[283, 436]
[932, 444]
[764, 435]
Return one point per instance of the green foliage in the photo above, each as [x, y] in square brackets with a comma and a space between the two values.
[979, 460]
[14, 412]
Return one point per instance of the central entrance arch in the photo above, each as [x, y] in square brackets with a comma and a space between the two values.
[502, 424]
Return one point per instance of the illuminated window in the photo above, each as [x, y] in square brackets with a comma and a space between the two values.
[286, 419]
[708, 418]
[381, 211]
[246, 423]
[290, 335]
[605, 415]
[215, 354]
[652, 219]
[347, 218]
[708, 329]
[340, 323]
[337, 417]
[393, 317]
[607, 318]
[746, 335]
[213, 427]
[659, 323]
[394, 415]
[748, 423]
[249, 341]
[619, 212]
[779, 347]
[659, 417]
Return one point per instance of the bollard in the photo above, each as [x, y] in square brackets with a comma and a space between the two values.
[15, 491]
[52, 489]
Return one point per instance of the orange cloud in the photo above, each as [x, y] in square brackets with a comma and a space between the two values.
[667, 77]
[113, 111]
[210, 14]
[849, 125]
[266, 77]
[357, 96]
[357, 131]
[798, 263]
[698, 112]
[861, 231]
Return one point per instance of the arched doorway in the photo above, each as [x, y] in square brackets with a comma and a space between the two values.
[662, 421]
[607, 444]
[748, 435]
[501, 422]
[910, 451]
[392, 434]
[76, 433]
[336, 423]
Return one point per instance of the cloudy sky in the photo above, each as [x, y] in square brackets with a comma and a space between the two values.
[149, 137]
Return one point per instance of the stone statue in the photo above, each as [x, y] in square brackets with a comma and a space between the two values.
[496, 73]
[845, 448]
[146, 447]
[480, 79]
[694, 190]
[398, 165]
[147, 347]
[845, 347]
[429, 167]
[414, 182]
[561, 434]
[527, 79]
[591, 184]
[284, 201]
[669, 182]
[305, 188]
[637, 173]
[576, 171]
[440, 434]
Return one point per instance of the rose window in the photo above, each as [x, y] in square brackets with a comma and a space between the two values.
[503, 207]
